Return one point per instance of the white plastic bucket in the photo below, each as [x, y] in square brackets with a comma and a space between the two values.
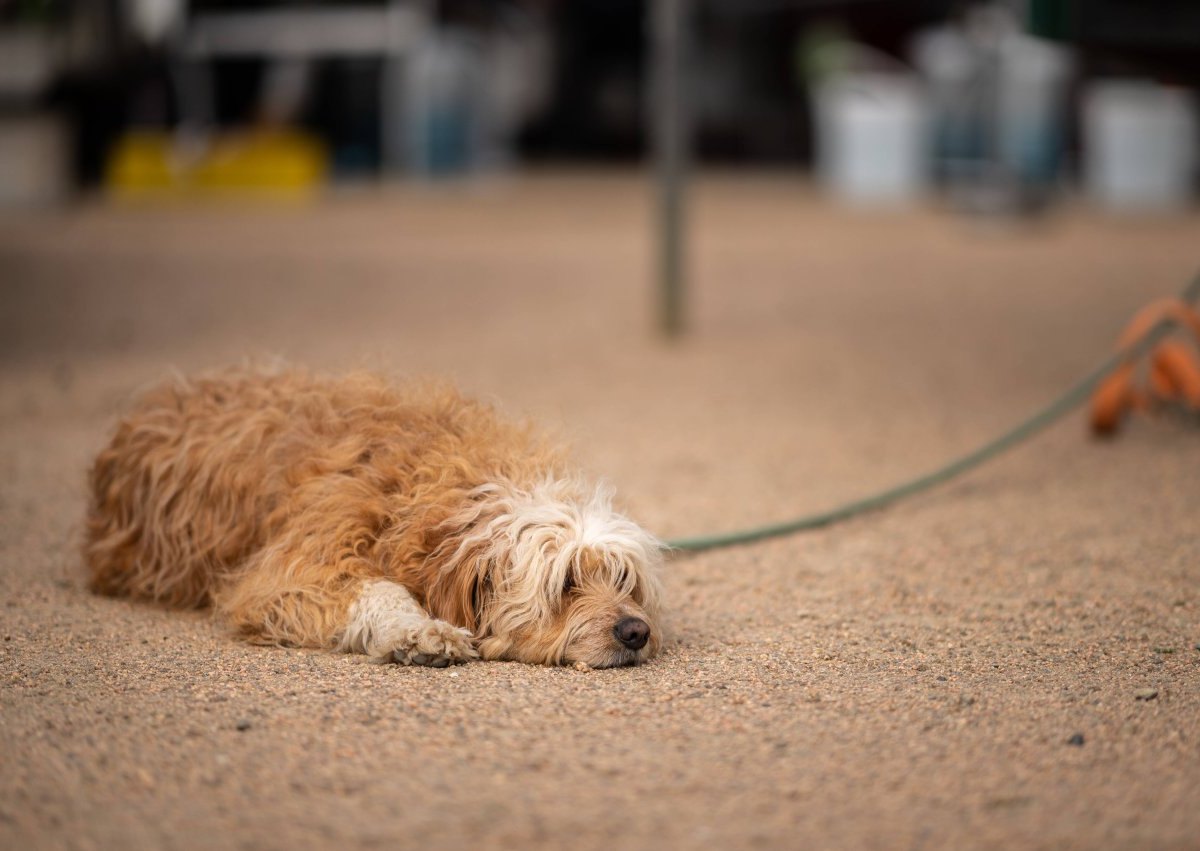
[872, 138]
[1139, 146]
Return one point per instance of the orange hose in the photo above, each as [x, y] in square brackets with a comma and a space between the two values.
[1178, 362]
[1174, 373]
[1113, 397]
[1163, 308]
[1162, 385]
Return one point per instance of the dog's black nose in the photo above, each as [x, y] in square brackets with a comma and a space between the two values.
[632, 632]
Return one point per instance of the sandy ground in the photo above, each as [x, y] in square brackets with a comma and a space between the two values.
[911, 679]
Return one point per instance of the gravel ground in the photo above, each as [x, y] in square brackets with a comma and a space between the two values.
[1012, 661]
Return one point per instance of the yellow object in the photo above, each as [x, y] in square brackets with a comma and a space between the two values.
[277, 164]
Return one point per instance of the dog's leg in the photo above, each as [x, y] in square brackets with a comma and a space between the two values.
[387, 624]
[280, 599]
[319, 583]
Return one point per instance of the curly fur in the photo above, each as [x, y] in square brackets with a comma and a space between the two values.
[404, 522]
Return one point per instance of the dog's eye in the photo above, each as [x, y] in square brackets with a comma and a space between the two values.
[568, 584]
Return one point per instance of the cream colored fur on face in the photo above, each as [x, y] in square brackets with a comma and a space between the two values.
[528, 545]
[406, 523]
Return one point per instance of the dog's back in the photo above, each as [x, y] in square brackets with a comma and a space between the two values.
[182, 489]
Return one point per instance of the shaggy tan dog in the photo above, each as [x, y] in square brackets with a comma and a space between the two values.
[409, 524]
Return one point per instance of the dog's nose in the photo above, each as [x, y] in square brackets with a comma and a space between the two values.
[632, 632]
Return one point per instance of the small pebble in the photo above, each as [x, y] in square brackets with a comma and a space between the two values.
[1145, 694]
[243, 726]
[1076, 740]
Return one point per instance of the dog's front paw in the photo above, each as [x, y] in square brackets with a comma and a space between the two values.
[435, 644]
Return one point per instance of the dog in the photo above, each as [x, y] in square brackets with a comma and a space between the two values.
[404, 522]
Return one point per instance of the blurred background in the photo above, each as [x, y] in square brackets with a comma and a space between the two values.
[865, 224]
[999, 107]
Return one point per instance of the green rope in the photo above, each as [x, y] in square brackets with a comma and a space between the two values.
[1064, 404]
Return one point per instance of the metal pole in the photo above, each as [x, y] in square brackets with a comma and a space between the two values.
[669, 45]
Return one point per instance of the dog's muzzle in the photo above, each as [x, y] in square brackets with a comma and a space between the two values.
[632, 632]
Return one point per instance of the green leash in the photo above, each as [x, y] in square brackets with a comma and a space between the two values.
[1064, 404]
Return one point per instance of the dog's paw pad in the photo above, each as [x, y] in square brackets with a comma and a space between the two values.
[431, 661]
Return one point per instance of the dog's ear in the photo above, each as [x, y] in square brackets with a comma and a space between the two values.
[457, 593]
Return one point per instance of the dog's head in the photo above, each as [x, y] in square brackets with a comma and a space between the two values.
[550, 575]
